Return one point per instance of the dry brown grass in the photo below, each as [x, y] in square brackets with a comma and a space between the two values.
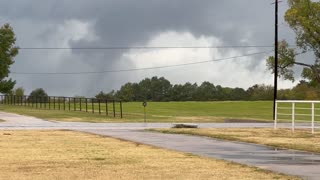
[75, 155]
[282, 138]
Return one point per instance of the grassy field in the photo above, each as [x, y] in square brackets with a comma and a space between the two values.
[161, 111]
[281, 138]
[156, 111]
[73, 155]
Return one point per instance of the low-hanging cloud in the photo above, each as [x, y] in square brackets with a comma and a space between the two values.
[108, 23]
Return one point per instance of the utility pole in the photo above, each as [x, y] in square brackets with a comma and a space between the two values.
[276, 60]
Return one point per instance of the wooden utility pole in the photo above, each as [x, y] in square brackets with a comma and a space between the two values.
[276, 60]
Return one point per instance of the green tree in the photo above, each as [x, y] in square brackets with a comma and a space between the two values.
[184, 92]
[38, 95]
[303, 16]
[206, 92]
[19, 92]
[160, 88]
[8, 51]
[126, 92]
[238, 94]
[260, 92]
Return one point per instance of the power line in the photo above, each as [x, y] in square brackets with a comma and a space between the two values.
[140, 69]
[144, 47]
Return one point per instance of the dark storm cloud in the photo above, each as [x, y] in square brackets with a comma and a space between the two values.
[128, 23]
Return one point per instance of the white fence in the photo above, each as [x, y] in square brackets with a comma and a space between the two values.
[297, 111]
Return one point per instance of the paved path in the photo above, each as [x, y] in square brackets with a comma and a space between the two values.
[292, 162]
[299, 163]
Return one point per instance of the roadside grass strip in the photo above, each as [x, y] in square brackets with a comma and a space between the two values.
[74, 155]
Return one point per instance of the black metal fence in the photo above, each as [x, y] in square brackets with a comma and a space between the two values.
[93, 105]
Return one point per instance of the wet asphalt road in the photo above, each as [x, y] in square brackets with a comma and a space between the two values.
[306, 165]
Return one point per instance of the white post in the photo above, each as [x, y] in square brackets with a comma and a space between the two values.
[312, 114]
[276, 116]
[293, 118]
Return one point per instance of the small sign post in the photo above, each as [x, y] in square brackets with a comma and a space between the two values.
[144, 104]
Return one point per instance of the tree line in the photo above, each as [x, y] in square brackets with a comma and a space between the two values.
[160, 89]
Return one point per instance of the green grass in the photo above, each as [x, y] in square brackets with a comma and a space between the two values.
[281, 138]
[158, 111]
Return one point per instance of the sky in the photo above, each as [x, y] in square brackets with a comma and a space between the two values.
[136, 23]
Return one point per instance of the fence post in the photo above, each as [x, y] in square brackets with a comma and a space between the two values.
[99, 106]
[59, 102]
[107, 113]
[92, 102]
[74, 104]
[312, 123]
[54, 102]
[114, 109]
[293, 117]
[14, 100]
[69, 103]
[86, 105]
[80, 104]
[64, 103]
[49, 101]
[40, 101]
[121, 109]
